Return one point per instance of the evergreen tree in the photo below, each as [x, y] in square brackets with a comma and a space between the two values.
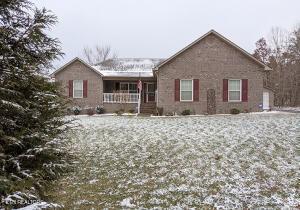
[31, 106]
[262, 51]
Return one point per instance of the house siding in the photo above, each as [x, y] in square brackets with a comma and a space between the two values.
[79, 71]
[113, 107]
[211, 60]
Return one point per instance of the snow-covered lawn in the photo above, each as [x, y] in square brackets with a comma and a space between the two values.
[242, 161]
[289, 109]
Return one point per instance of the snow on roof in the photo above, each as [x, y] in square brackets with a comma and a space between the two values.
[126, 73]
[128, 67]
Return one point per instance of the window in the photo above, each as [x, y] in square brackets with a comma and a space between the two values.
[128, 87]
[78, 88]
[132, 88]
[124, 87]
[186, 90]
[234, 90]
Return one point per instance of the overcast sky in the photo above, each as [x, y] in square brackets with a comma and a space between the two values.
[159, 28]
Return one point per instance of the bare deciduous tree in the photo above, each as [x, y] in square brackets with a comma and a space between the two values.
[278, 41]
[284, 59]
[88, 54]
[99, 54]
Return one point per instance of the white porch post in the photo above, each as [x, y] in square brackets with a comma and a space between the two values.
[139, 86]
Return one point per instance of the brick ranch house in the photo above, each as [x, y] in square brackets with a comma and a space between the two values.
[211, 75]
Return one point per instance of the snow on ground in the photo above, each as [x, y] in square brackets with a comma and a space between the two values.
[290, 109]
[222, 161]
[127, 203]
[40, 205]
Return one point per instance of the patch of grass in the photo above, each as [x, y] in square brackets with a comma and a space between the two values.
[168, 162]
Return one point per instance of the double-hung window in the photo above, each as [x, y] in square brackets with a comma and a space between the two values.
[124, 87]
[234, 90]
[128, 87]
[78, 88]
[186, 90]
[132, 88]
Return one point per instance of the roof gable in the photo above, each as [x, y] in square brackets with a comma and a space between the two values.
[71, 62]
[244, 52]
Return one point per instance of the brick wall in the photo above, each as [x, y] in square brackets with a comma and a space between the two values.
[211, 60]
[79, 71]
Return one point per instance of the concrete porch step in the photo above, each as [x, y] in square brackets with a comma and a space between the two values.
[148, 108]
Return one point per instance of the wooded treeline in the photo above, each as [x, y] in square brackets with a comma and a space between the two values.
[281, 52]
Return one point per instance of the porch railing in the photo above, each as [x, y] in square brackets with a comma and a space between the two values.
[120, 97]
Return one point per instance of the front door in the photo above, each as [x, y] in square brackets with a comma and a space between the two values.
[266, 98]
[211, 101]
[150, 92]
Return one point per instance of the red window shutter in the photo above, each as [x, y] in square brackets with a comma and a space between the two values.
[145, 92]
[177, 90]
[225, 90]
[244, 90]
[71, 88]
[196, 90]
[85, 88]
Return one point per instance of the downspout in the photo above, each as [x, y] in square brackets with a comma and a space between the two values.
[140, 94]
[155, 73]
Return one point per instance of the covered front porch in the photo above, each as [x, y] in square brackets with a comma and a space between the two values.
[125, 91]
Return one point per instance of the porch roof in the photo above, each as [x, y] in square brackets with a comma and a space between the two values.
[128, 67]
[137, 74]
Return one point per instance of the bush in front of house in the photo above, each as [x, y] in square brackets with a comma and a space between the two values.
[100, 110]
[186, 112]
[76, 110]
[234, 111]
[131, 111]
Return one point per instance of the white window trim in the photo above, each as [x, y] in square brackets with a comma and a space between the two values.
[74, 88]
[147, 83]
[233, 90]
[192, 90]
